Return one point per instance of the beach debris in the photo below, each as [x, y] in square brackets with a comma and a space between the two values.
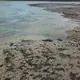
[47, 40]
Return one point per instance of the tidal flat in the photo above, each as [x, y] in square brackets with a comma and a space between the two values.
[45, 58]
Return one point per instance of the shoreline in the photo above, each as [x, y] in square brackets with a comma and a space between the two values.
[71, 12]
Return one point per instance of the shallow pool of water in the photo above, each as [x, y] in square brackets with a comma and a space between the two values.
[20, 21]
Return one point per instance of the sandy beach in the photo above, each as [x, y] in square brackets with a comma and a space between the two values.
[45, 59]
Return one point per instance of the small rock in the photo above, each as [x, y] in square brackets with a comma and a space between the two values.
[11, 44]
[59, 39]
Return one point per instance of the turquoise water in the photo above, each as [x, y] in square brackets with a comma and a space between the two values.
[18, 21]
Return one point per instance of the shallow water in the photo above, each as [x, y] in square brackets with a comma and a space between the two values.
[19, 21]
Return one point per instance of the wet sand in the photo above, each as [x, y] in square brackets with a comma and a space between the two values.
[71, 11]
[44, 59]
